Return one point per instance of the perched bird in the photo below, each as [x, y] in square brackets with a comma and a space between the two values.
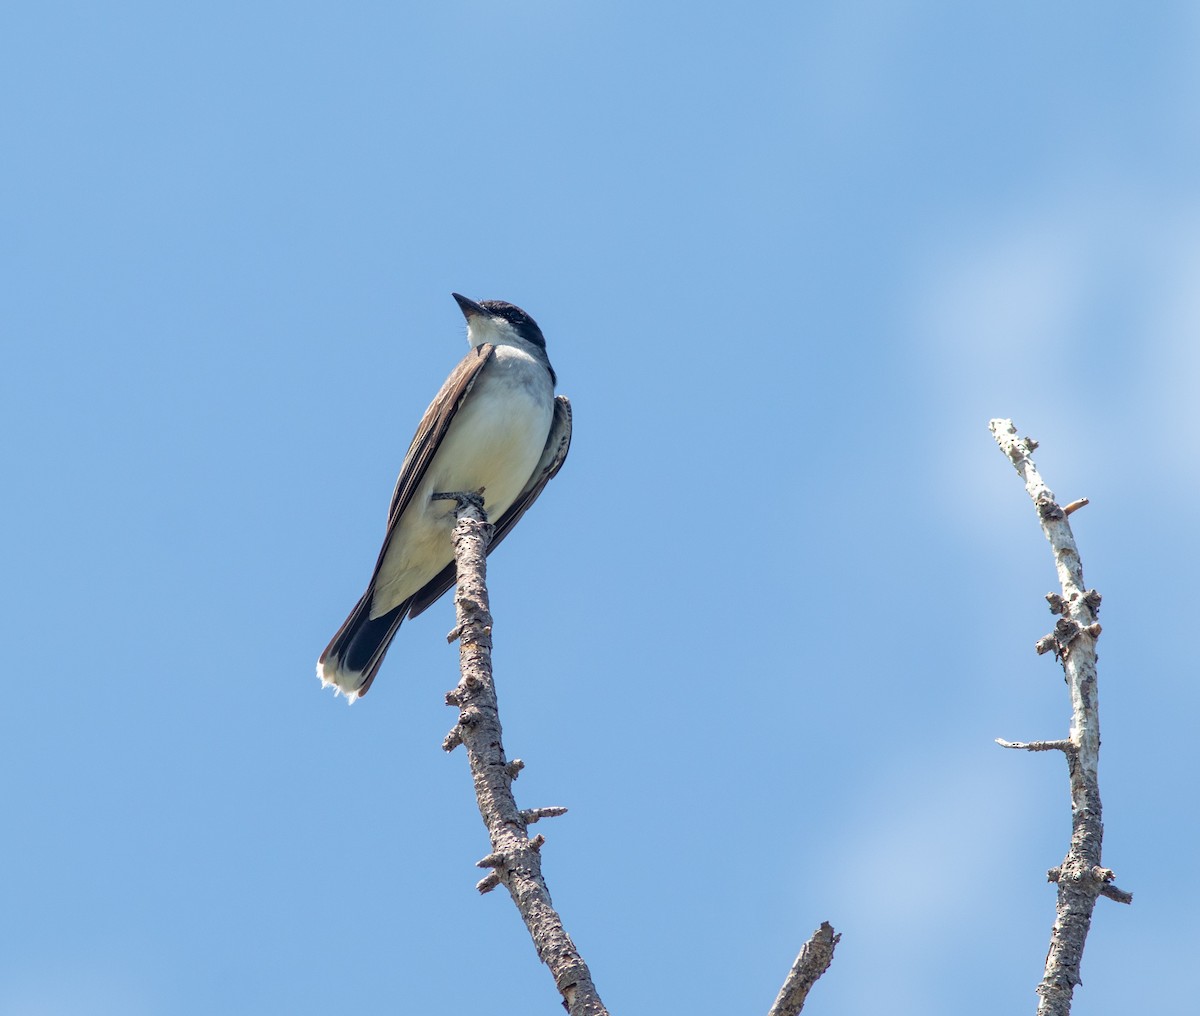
[495, 425]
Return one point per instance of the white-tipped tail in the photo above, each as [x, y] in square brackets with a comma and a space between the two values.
[353, 657]
[343, 682]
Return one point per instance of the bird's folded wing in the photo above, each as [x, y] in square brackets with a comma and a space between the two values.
[430, 433]
[558, 443]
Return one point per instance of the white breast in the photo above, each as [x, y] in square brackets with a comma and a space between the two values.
[494, 442]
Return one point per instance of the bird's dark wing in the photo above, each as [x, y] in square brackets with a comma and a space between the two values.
[362, 640]
[430, 433]
[558, 443]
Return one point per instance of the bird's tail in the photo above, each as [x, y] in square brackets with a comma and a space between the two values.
[352, 659]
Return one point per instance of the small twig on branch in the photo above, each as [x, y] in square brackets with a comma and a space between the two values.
[1080, 879]
[1111, 892]
[1066, 746]
[813, 961]
[515, 860]
[531, 815]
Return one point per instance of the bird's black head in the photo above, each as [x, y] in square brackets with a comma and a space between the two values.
[526, 327]
[521, 322]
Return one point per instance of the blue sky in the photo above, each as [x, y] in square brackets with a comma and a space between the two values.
[760, 632]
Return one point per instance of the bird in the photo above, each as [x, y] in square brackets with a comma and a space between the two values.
[496, 425]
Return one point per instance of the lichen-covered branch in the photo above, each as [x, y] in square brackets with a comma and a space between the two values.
[1081, 878]
[813, 961]
[515, 861]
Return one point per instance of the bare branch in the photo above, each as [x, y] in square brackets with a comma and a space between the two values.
[1081, 878]
[531, 815]
[515, 860]
[1066, 746]
[1116, 895]
[813, 961]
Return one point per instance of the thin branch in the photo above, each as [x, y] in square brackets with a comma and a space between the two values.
[1063, 745]
[813, 961]
[515, 860]
[1111, 892]
[1081, 878]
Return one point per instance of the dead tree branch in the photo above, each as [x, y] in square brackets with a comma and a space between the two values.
[515, 861]
[813, 961]
[1081, 878]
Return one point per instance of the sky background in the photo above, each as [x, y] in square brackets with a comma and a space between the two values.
[759, 634]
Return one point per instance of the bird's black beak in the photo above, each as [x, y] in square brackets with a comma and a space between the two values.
[469, 308]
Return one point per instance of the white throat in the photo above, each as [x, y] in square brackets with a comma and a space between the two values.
[495, 330]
